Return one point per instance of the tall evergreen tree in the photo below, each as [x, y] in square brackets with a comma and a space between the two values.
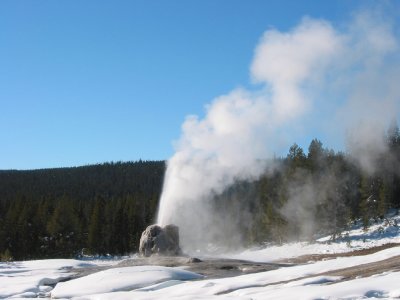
[63, 229]
[96, 230]
[315, 154]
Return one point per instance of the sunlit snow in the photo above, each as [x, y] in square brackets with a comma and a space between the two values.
[120, 279]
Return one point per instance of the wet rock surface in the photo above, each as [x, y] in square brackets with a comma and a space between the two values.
[157, 240]
[209, 267]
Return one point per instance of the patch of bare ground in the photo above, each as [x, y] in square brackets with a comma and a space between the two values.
[317, 257]
[209, 268]
[365, 270]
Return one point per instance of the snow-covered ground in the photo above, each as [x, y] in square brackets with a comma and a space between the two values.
[34, 278]
[45, 278]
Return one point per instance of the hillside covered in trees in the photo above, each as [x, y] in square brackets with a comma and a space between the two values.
[59, 212]
[304, 196]
[102, 209]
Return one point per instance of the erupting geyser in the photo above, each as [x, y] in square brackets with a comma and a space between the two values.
[301, 71]
[230, 144]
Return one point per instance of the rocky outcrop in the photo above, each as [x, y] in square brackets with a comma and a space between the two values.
[157, 240]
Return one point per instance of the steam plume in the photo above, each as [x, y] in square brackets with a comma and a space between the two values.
[302, 72]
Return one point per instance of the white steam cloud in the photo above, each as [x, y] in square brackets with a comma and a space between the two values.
[354, 71]
[284, 61]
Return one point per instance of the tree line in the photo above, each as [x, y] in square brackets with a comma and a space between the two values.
[103, 209]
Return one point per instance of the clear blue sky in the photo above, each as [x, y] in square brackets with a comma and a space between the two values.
[86, 82]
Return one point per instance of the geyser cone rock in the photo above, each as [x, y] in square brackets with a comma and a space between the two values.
[160, 241]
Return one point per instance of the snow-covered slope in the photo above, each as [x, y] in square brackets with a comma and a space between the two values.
[120, 279]
[35, 278]
[378, 233]
[312, 280]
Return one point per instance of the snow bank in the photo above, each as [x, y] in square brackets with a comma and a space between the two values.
[34, 278]
[380, 286]
[120, 279]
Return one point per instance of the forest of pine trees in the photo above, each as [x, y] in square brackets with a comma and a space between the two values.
[322, 192]
[102, 209]
[99, 209]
